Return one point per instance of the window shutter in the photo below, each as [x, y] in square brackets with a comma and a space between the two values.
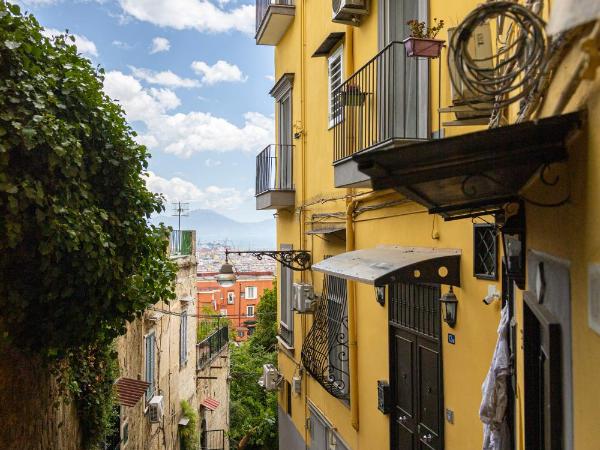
[336, 70]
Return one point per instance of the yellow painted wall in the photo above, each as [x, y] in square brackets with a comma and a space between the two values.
[569, 232]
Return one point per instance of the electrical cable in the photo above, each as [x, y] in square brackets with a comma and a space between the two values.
[513, 71]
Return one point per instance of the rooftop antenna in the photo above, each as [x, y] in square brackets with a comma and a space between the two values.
[180, 210]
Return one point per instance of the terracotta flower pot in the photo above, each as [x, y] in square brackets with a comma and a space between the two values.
[426, 48]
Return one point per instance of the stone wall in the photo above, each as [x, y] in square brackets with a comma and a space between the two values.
[32, 414]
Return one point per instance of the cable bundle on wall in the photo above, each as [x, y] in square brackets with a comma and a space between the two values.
[513, 71]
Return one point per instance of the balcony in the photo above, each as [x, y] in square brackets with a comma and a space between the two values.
[210, 347]
[274, 177]
[273, 17]
[182, 242]
[383, 105]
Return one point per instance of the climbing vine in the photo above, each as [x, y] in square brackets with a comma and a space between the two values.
[78, 258]
[188, 433]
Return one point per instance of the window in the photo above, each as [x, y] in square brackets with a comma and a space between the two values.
[250, 311]
[337, 324]
[150, 361]
[485, 264]
[251, 293]
[183, 339]
[322, 433]
[230, 298]
[223, 312]
[286, 315]
[336, 73]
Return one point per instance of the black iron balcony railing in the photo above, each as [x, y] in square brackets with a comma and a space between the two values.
[182, 242]
[210, 347]
[274, 169]
[383, 101]
[262, 6]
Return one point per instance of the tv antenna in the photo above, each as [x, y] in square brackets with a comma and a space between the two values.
[180, 210]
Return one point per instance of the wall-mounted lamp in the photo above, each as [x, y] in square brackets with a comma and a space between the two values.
[380, 295]
[449, 307]
[226, 276]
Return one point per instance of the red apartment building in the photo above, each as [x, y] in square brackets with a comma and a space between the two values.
[237, 302]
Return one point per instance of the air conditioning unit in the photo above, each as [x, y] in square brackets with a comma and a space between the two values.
[270, 379]
[155, 409]
[297, 385]
[349, 12]
[480, 49]
[304, 297]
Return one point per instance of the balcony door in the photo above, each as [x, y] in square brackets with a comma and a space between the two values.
[284, 155]
[410, 96]
[416, 421]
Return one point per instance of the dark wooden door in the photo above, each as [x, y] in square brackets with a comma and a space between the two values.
[415, 368]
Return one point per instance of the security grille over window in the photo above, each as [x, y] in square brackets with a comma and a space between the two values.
[416, 307]
[486, 256]
[325, 351]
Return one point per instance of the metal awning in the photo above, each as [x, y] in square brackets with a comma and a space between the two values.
[327, 229]
[210, 403]
[129, 391]
[391, 264]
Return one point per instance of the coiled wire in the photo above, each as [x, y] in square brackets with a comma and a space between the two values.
[513, 71]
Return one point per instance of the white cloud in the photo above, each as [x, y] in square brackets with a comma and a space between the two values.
[160, 44]
[122, 45]
[211, 197]
[184, 134]
[165, 78]
[270, 77]
[139, 103]
[83, 44]
[221, 71]
[212, 163]
[202, 15]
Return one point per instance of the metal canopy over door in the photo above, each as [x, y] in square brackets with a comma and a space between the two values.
[415, 367]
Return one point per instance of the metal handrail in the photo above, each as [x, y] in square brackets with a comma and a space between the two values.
[262, 7]
[211, 346]
[274, 169]
[379, 102]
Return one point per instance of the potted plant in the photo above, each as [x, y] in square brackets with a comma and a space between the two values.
[421, 41]
[352, 96]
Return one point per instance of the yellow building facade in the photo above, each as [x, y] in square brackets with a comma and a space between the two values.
[403, 197]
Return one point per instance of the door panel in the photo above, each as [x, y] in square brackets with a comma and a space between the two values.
[415, 369]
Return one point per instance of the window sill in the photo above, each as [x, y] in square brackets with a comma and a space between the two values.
[284, 347]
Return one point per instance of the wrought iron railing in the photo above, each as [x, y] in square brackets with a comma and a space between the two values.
[274, 169]
[182, 242]
[262, 6]
[209, 348]
[386, 99]
[212, 440]
[325, 350]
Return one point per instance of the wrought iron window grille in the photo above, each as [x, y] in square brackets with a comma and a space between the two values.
[325, 352]
[485, 251]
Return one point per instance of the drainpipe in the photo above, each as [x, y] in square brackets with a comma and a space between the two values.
[352, 341]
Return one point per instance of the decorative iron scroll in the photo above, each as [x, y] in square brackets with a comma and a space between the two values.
[298, 260]
[325, 351]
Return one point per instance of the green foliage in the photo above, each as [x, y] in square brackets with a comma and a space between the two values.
[89, 374]
[265, 332]
[189, 434]
[254, 410]
[77, 256]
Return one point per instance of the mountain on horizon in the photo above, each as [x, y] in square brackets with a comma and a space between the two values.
[211, 226]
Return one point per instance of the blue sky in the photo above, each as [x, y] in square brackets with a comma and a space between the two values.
[193, 84]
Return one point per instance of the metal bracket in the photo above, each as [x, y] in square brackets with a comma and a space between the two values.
[298, 260]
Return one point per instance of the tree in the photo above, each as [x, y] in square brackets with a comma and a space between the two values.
[254, 410]
[78, 258]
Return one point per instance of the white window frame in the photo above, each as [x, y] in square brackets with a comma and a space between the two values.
[333, 118]
[149, 363]
[250, 308]
[231, 298]
[286, 313]
[183, 328]
[223, 312]
[251, 293]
